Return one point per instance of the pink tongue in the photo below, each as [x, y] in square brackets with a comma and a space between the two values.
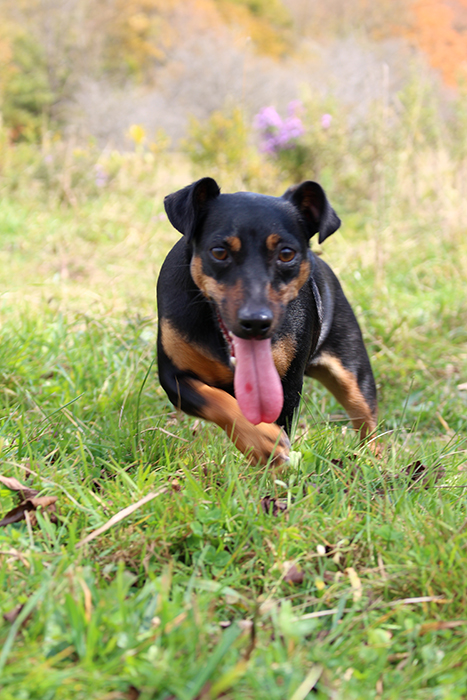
[257, 385]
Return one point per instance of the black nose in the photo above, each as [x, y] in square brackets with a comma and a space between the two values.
[255, 323]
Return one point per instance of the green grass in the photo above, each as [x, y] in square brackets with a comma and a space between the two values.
[188, 596]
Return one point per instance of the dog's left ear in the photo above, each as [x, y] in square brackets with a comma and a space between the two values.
[187, 207]
[313, 205]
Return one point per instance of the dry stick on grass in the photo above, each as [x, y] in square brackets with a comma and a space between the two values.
[121, 515]
[392, 604]
[162, 430]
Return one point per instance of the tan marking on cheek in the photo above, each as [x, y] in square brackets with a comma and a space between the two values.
[190, 357]
[283, 352]
[208, 285]
[234, 243]
[344, 386]
[196, 269]
[287, 292]
[272, 240]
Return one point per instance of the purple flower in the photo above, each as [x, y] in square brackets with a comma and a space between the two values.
[279, 134]
[326, 120]
[269, 144]
[267, 118]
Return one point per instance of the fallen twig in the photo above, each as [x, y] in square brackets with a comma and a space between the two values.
[394, 603]
[121, 515]
[163, 430]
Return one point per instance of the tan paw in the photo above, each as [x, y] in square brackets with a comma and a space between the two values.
[263, 441]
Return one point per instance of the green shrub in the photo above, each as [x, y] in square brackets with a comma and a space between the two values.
[222, 145]
[27, 95]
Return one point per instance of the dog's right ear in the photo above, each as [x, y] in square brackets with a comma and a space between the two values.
[187, 207]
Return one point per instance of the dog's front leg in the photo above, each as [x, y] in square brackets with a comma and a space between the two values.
[257, 442]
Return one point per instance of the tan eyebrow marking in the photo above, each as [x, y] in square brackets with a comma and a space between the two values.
[272, 240]
[234, 243]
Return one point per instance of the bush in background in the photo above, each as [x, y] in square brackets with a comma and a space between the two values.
[222, 147]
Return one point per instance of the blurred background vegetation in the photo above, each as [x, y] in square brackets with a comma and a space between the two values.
[153, 76]
[84, 81]
[83, 68]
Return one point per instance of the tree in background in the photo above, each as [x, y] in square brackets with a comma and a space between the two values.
[27, 97]
[52, 45]
[137, 36]
[439, 29]
[266, 22]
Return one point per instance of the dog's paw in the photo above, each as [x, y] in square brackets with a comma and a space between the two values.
[270, 441]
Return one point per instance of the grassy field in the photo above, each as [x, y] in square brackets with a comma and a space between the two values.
[340, 576]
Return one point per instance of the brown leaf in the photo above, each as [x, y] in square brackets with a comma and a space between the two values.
[348, 466]
[132, 693]
[423, 475]
[341, 462]
[14, 485]
[293, 574]
[45, 503]
[273, 505]
[175, 484]
[96, 486]
[329, 576]
[13, 614]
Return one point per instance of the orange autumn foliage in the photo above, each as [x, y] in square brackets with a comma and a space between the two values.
[267, 25]
[439, 29]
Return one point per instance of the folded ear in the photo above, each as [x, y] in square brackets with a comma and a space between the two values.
[313, 205]
[187, 207]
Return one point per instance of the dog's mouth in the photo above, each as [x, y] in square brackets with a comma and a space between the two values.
[257, 385]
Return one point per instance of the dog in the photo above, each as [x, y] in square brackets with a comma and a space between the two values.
[246, 310]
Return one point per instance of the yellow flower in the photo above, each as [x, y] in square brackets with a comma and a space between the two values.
[137, 133]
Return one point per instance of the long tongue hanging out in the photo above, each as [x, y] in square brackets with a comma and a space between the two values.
[257, 385]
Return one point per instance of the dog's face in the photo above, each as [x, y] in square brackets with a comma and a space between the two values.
[250, 258]
[249, 250]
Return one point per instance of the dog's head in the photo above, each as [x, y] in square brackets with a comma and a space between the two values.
[250, 258]
[249, 250]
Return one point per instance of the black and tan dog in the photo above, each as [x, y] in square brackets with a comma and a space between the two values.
[246, 310]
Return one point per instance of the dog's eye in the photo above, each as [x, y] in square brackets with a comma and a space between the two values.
[219, 253]
[286, 255]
